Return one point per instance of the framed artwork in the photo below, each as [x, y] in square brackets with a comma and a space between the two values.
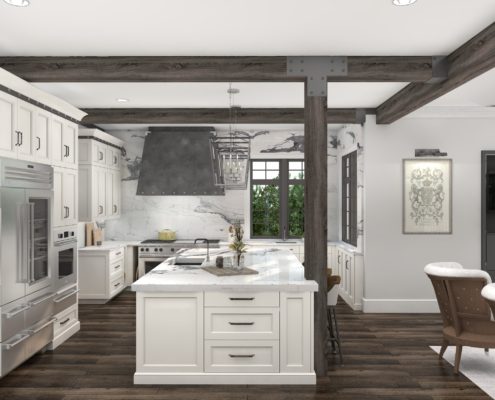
[427, 196]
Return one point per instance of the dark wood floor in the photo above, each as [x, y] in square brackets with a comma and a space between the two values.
[386, 357]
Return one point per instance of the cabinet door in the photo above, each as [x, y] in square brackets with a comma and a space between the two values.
[41, 136]
[169, 332]
[56, 133]
[25, 123]
[99, 193]
[58, 201]
[109, 193]
[99, 153]
[69, 143]
[347, 274]
[69, 187]
[117, 193]
[7, 125]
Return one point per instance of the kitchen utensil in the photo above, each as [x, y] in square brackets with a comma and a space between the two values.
[167, 234]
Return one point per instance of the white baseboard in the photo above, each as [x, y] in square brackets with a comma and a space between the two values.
[400, 306]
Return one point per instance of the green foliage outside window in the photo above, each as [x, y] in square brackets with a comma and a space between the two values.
[296, 210]
[266, 210]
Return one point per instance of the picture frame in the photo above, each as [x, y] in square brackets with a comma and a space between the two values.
[427, 196]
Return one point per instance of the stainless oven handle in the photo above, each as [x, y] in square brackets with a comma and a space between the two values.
[41, 299]
[23, 337]
[17, 310]
[39, 329]
[60, 299]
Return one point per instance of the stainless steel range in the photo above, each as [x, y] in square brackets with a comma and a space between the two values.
[153, 252]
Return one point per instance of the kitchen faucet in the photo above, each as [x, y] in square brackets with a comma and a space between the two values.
[207, 247]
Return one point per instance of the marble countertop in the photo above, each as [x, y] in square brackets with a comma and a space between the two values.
[108, 245]
[279, 270]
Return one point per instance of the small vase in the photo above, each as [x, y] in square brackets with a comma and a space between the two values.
[238, 261]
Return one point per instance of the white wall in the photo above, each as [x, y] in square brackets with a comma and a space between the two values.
[394, 277]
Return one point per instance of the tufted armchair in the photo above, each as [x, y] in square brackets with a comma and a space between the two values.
[466, 315]
[488, 294]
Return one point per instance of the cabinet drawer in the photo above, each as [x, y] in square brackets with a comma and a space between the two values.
[116, 285]
[116, 269]
[41, 308]
[116, 255]
[242, 323]
[65, 300]
[241, 356]
[241, 299]
[64, 320]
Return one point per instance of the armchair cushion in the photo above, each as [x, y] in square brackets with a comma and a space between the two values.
[455, 270]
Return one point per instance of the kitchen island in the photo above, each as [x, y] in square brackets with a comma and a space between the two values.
[193, 327]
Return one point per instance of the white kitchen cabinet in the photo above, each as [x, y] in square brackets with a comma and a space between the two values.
[101, 273]
[349, 265]
[169, 333]
[100, 175]
[65, 197]
[69, 145]
[24, 129]
[8, 114]
[41, 138]
[56, 136]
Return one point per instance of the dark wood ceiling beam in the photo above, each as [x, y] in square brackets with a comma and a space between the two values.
[469, 61]
[206, 69]
[214, 116]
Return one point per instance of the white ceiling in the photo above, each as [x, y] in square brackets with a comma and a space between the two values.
[213, 95]
[240, 27]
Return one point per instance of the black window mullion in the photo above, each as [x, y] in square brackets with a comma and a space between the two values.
[284, 199]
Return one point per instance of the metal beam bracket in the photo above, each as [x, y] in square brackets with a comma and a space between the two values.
[316, 70]
[440, 69]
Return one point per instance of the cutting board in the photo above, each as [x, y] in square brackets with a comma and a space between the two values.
[89, 234]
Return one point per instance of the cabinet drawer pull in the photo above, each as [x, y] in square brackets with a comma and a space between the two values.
[115, 208]
[117, 266]
[241, 298]
[115, 160]
[18, 142]
[116, 285]
[16, 311]
[100, 209]
[20, 136]
[8, 346]
[64, 322]
[241, 323]
[39, 143]
[241, 355]
[118, 254]
[100, 155]
[346, 264]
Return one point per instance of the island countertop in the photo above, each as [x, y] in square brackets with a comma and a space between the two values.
[278, 270]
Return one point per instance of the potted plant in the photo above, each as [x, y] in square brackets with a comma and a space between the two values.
[237, 245]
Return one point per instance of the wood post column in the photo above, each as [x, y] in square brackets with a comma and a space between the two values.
[315, 217]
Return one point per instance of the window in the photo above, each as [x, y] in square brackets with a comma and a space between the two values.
[349, 198]
[277, 198]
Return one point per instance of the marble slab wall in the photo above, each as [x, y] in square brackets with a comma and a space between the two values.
[210, 216]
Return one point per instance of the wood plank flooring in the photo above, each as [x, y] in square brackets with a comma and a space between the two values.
[386, 357]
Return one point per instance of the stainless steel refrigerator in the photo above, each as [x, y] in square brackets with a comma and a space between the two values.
[26, 295]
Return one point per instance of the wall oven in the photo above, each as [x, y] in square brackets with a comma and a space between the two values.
[65, 256]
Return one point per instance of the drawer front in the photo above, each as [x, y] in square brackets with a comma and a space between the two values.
[13, 319]
[41, 335]
[116, 269]
[241, 299]
[241, 356]
[41, 308]
[116, 285]
[116, 255]
[64, 320]
[65, 300]
[14, 352]
[259, 323]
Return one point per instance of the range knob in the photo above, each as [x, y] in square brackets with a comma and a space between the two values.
[147, 249]
[142, 248]
[156, 249]
[161, 249]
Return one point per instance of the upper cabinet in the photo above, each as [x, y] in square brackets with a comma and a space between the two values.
[99, 175]
[30, 133]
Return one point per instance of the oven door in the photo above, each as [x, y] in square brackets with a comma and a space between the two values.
[145, 265]
[65, 264]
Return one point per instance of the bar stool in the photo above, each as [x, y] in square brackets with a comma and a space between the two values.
[333, 282]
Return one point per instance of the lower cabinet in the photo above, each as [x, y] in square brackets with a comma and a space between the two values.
[349, 266]
[101, 273]
[230, 333]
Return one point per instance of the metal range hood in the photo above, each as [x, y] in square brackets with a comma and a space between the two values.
[177, 161]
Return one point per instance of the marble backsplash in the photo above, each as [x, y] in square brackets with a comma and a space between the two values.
[210, 216]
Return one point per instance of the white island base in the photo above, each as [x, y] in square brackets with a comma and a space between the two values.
[254, 329]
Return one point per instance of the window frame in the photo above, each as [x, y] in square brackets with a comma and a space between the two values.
[283, 182]
[349, 208]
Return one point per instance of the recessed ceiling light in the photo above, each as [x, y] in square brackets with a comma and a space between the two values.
[403, 2]
[18, 3]
[122, 100]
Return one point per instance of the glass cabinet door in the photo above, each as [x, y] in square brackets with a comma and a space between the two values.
[40, 232]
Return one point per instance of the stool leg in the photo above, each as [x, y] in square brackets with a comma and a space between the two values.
[337, 335]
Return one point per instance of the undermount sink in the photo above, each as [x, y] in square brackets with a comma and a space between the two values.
[191, 260]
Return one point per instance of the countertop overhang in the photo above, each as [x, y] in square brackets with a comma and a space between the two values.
[278, 270]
